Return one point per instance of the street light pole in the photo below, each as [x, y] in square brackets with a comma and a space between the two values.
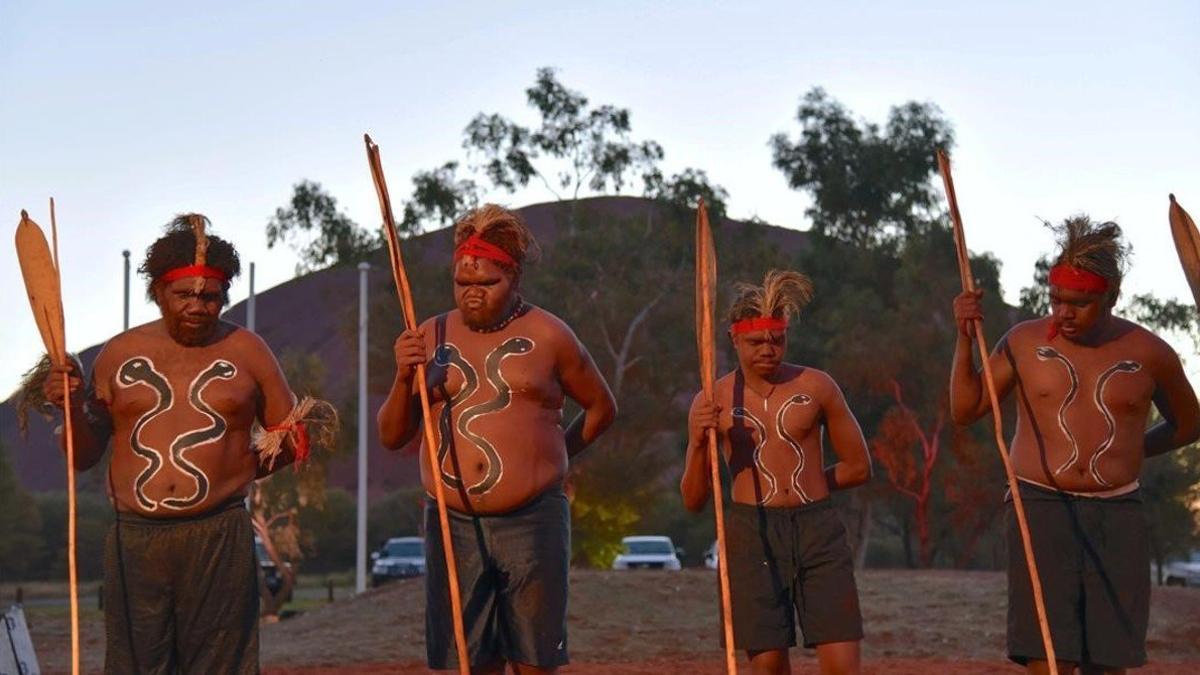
[360, 571]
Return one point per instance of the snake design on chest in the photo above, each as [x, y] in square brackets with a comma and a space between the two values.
[448, 356]
[217, 370]
[798, 399]
[1046, 353]
[740, 412]
[140, 370]
[494, 464]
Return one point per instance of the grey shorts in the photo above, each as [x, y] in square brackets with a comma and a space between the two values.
[512, 575]
[1093, 558]
[181, 594]
[789, 562]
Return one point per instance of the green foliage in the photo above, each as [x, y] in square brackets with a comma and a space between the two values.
[329, 541]
[685, 190]
[439, 196]
[400, 513]
[20, 524]
[93, 518]
[869, 185]
[332, 237]
[588, 147]
[1171, 493]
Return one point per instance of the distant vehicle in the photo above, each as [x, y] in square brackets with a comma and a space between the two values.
[711, 556]
[398, 558]
[1184, 572]
[648, 553]
[270, 573]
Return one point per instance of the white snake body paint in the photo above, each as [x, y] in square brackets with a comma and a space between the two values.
[217, 370]
[1046, 353]
[762, 440]
[140, 370]
[135, 371]
[494, 471]
[798, 399]
[1050, 353]
[1118, 367]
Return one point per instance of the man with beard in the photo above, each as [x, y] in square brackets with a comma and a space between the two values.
[786, 544]
[177, 398]
[1085, 381]
[500, 372]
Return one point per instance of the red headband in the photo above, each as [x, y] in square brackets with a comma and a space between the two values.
[1076, 279]
[476, 247]
[756, 324]
[193, 271]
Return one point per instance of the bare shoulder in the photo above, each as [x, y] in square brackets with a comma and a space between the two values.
[1145, 345]
[816, 381]
[548, 328]
[125, 345]
[1026, 333]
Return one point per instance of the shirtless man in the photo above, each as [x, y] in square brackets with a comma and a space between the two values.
[786, 545]
[500, 371]
[1085, 381]
[177, 398]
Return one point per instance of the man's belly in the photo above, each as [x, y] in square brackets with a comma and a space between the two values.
[780, 481]
[1085, 462]
[166, 486]
[500, 471]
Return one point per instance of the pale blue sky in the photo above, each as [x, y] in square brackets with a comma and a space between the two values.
[129, 112]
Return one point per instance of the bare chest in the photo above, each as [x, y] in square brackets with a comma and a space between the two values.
[510, 370]
[168, 389]
[751, 421]
[1056, 380]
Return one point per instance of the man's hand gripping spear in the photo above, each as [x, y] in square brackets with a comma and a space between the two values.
[404, 293]
[706, 283]
[43, 284]
[968, 284]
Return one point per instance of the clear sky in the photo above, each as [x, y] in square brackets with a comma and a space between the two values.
[130, 112]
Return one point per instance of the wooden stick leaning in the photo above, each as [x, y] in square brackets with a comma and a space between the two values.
[968, 284]
[43, 285]
[404, 293]
[1187, 245]
[706, 282]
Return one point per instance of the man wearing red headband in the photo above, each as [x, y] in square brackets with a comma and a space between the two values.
[787, 546]
[177, 398]
[1085, 381]
[499, 370]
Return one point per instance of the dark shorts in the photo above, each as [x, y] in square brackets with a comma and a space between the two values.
[512, 574]
[1094, 563]
[181, 594]
[785, 562]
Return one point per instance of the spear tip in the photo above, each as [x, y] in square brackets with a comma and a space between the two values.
[24, 214]
[367, 139]
[1171, 195]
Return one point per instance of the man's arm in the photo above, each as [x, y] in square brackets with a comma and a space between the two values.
[400, 415]
[696, 484]
[275, 400]
[854, 462]
[91, 423]
[582, 381]
[969, 398]
[1176, 401]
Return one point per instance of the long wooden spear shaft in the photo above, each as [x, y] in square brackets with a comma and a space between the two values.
[706, 283]
[968, 284]
[43, 284]
[404, 293]
[1187, 245]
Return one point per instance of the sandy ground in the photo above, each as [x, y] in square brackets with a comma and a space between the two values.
[919, 622]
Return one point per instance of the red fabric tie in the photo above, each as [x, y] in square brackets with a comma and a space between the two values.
[193, 271]
[1076, 279]
[298, 433]
[476, 247]
[756, 324]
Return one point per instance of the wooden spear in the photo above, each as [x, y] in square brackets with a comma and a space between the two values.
[1187, 245]
[706, 283]
[404, 293]
[43, 284]
[968, 284]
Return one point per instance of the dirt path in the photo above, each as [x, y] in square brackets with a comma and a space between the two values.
[919, 622]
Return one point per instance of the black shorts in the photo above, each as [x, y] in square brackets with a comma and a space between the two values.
[1093, 559]
[181, 594]
[512, 575]
[785, 562]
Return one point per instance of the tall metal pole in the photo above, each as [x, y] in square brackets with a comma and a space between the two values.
[250, 302]
[126, 254]
[360, 569]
